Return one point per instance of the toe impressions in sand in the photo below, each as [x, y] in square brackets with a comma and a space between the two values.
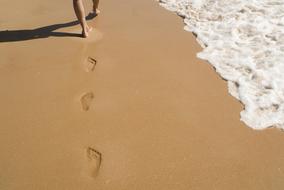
[95, 159]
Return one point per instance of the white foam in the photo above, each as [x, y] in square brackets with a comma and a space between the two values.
[244, 41]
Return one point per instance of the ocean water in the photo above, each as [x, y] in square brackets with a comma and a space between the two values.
[244, 41]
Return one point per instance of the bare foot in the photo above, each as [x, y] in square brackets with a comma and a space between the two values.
[96, 11]
[86, 31]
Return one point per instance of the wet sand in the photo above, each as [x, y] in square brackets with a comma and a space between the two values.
[130, 108]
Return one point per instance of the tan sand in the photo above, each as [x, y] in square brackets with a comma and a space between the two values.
[147, 115]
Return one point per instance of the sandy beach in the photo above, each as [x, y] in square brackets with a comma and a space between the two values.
[131, 107]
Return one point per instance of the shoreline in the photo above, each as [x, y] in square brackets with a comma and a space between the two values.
[229, 34]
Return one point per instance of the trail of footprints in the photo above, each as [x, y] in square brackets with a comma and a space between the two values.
[87, 98]
[94, 157]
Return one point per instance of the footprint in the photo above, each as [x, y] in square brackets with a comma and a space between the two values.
[86, 100]
[95, 159]
[90, 64]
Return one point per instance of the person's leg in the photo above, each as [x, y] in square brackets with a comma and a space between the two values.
[80, 13]
[95, 6]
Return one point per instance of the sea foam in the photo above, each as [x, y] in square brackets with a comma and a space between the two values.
[244, 41]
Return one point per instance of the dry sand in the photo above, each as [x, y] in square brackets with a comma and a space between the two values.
[147, 115]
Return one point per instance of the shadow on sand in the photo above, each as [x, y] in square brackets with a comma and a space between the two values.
[42, 32]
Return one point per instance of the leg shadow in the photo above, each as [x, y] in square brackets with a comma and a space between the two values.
[42, 32]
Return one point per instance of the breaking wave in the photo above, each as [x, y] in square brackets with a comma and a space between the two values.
[244, 41]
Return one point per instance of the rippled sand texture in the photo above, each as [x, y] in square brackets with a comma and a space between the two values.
[244, 41]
